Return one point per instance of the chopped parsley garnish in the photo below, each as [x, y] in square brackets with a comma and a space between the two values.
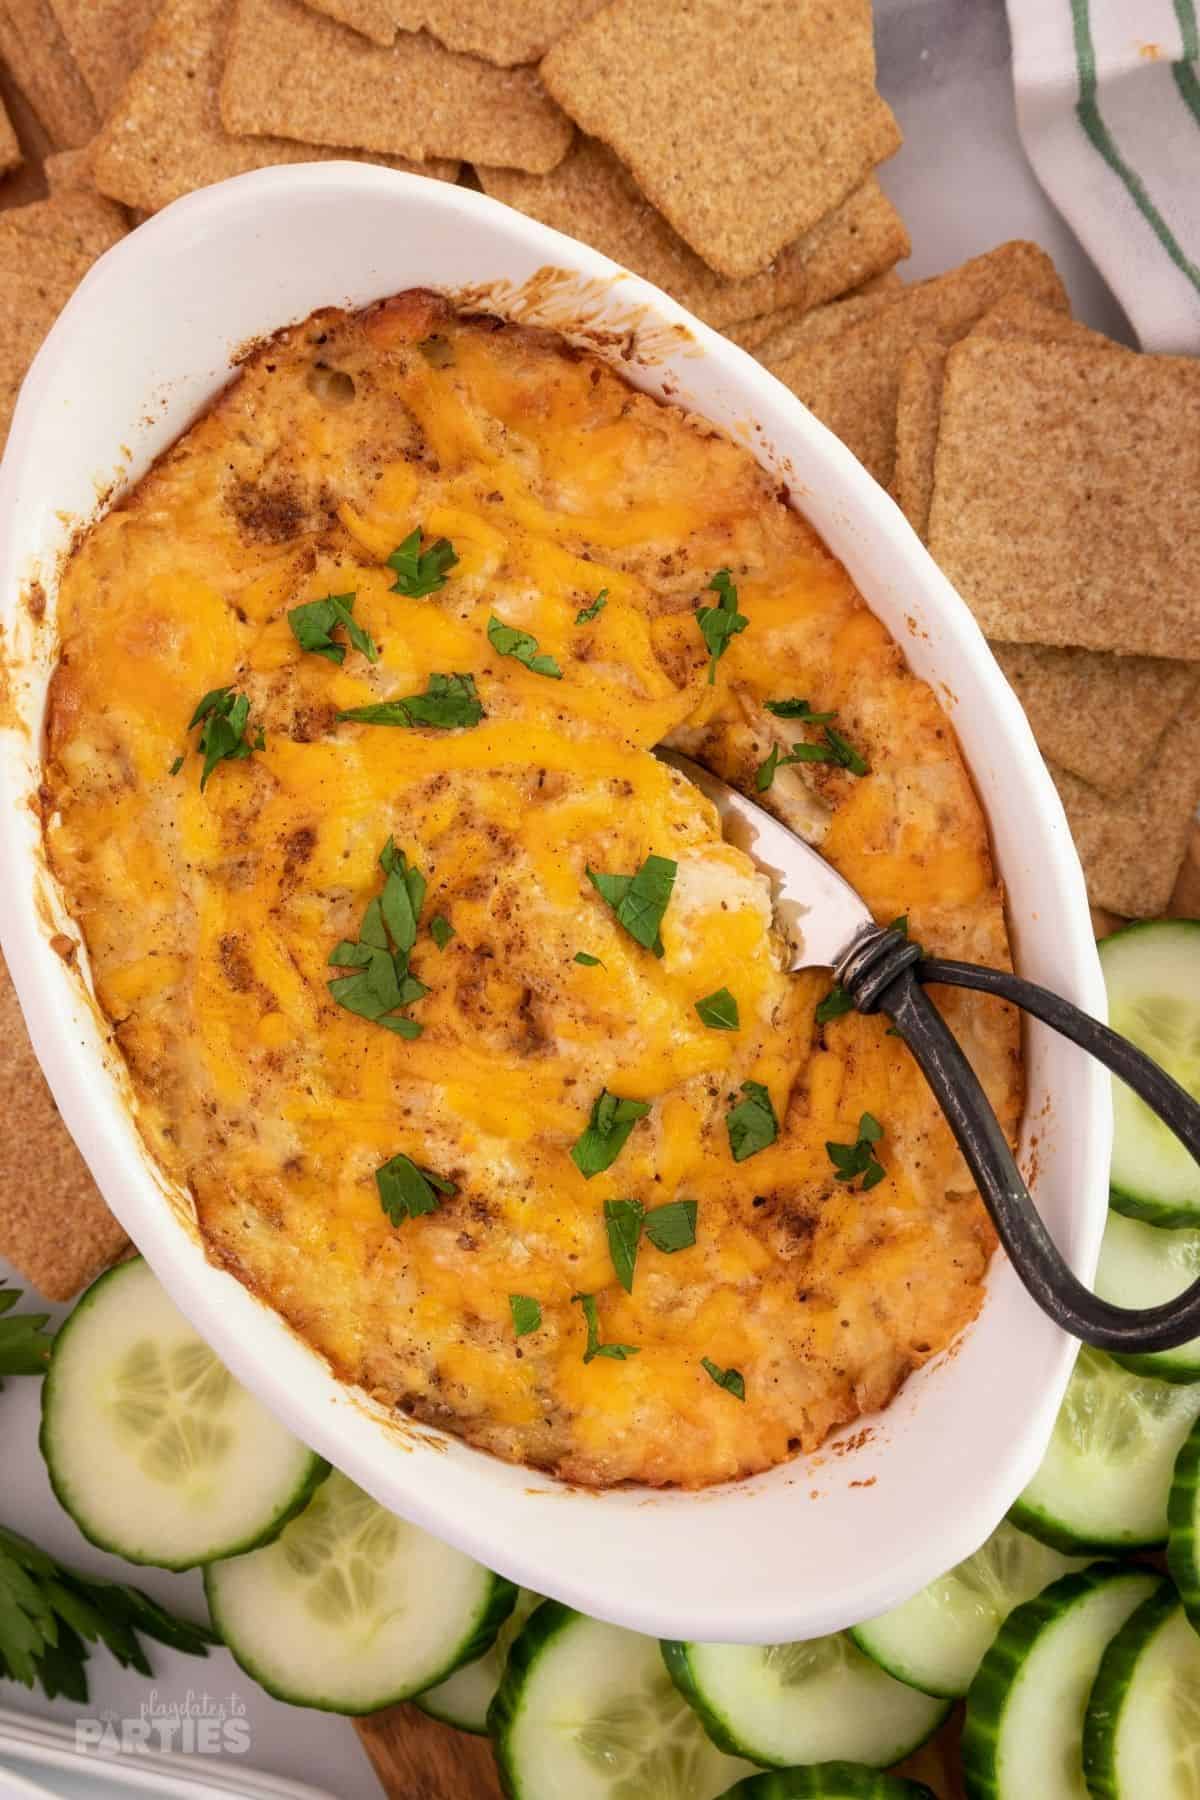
[834, 750]
[729, 1379]
[405, 1192]
[720, 622]
[900, 925]
[526, 1314]
[224, 716]
[719, 1011]
[858, 1158]
[640, 900]
[608, 1129]
[751, 1124]
[421, 572]
[506, 640]
[672, 1227]
[588, 962]
[586, 614]
[314, 623]
[380, 954]
[449, 701]
[619, 1352]
[836, 1002]
[175, 766]
[440, 930]
[798, 709]
[623, 1223]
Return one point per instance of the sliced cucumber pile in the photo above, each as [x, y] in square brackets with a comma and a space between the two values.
[1142, 1733]
[1142, 1265]
[1023, 1736]
[151, 1445]
[462, 1700]
[1183, 1521]
[351, 1609]
[811, 1702]
[1152, 973]
[829, 1781]
[588, 1712]
[1104, 1480]
[937, 1640]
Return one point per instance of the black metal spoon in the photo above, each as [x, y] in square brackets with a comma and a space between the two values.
[882, 971]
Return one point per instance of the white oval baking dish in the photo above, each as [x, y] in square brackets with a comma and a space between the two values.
[823, 1541]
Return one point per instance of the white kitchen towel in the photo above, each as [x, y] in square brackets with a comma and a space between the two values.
[1108, 102]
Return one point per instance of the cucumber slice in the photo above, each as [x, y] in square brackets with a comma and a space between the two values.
[829, 1781]
[1141, 1265]
[351, 1608]
[151, 1445]
[1183, 1522]
[462, 1700]
[1141, 1737]
[1152, 973]
[1104, 1481]
[802, 1703]
[1023, 1735]
[587, 1712]
[937, 1640]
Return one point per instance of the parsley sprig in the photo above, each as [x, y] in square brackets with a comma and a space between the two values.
[381, 952]
[506, 640]
[50, 1614]
[619, 1352]
[721, 622]
[640, 900]
[24, 1346]
[224, 717]
[612, 1119]
[858, 1158]
[314, 624]
[421, 572]
[449, 701]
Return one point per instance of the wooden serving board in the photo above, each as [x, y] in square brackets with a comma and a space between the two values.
[415, 1758]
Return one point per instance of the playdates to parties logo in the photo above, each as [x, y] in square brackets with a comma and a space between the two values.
[199, 1724]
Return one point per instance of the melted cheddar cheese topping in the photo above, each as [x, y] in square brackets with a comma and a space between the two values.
[210, 914]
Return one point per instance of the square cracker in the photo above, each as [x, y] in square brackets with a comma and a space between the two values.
[1100, 717]
[165, 136]
[106, 39]
[794, 322]
[501, 31]
[36, 52]
[591, 196]
[297, 74]
[10, 149]
[743, 124]
[54, 1227]
[1064, 494]
[45, 250]
[70, 171]
[850, 378]
[1132, 848]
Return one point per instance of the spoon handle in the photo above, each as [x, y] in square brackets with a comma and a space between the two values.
[884, 972]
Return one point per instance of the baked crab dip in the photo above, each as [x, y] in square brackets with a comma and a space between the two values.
[442, 996]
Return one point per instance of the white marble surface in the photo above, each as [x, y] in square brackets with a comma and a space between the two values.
[963, 185]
